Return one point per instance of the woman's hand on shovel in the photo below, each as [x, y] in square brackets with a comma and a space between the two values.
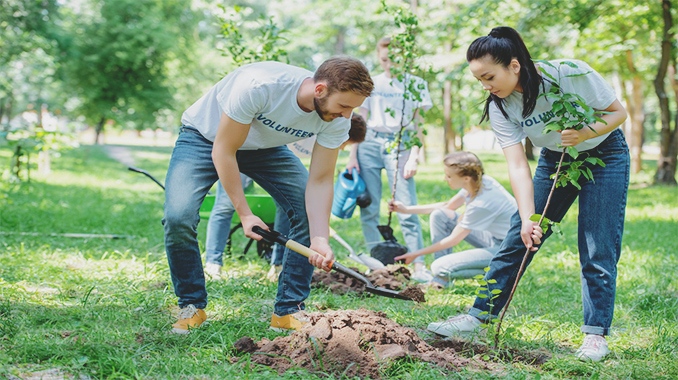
[324, 257]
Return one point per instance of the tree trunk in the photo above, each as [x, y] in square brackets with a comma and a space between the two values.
[448, 132]
[634, 105]
[669, 159]
[340, 43]
[2, 113]
[8, 108]
[666, 164]
[99, 130]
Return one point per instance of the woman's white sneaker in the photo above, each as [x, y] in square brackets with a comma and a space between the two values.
[460, 325]
[594, 348]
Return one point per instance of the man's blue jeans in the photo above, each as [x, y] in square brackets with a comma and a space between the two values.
[602, 204]
[219, 226]
[191, 174]
[372, 158]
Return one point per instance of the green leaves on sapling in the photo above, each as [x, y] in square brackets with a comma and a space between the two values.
[546, 223]
[570, 111]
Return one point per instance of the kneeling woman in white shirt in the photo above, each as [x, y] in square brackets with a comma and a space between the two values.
[483, 224]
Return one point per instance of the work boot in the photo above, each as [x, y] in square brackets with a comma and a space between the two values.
[288, 322]
[189, 318]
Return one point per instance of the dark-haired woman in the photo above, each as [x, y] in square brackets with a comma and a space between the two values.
[502, 64]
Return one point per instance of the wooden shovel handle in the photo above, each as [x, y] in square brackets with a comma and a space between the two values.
[303, 250]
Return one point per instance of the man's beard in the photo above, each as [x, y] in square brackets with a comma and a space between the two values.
[319, 104]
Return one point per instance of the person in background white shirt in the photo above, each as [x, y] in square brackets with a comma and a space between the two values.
[387, 110]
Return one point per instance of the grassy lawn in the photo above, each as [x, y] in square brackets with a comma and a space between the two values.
[102, 307]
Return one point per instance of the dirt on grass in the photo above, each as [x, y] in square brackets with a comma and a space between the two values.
[470, 349]
[348, 343]
[392, 277]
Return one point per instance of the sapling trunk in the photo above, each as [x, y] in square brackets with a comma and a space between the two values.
[527, 251]
[395, 175]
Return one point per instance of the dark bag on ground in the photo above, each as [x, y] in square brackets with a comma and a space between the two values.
[387, 250]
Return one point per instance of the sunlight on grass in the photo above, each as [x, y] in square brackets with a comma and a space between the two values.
[102, 307]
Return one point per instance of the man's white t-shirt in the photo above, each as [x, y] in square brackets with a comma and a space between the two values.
[388, 94]
[264, 95]
[302, 148]
[490, 210]
[595, 91]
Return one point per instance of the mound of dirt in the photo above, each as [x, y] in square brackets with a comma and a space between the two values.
[393, 277]
[347, 343]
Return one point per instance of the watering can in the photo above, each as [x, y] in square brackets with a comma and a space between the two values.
[347, 189]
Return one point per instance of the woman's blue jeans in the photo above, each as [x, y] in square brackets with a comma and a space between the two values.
[373, 157]
[191, 174]
[449, 266]
[602, 204]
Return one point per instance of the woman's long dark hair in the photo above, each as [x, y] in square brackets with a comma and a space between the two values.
[504, 44]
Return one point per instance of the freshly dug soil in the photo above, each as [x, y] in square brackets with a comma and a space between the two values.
[347, 343]
[469, 349]
[393, 277]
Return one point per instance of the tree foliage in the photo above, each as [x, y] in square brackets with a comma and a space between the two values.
[139, 63]
[115, 59]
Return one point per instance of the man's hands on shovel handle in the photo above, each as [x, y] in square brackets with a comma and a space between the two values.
[324, 256]
[248, 222]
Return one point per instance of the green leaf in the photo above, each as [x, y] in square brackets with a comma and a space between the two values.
[575, 184]
[548, 74]
[577, 74]
[545, 62]
[572, 151]
[570, 108]
[569, 63]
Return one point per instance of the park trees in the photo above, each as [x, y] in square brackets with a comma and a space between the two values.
[666, 164]
[116, 56]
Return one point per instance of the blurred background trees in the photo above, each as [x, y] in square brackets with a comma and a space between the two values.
[137, 64]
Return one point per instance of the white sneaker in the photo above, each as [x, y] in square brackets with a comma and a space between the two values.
[460, 325]
[594, 348]
[273, 273]
[213, 271]
[423, 275]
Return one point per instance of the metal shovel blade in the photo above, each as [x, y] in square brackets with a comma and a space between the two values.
[369, 287]
[386, 232]
[277, 237]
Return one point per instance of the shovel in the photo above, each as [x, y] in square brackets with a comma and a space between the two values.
[277, 237]
[368, 261]
[387, 250]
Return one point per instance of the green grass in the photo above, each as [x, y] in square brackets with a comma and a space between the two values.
[102, 307]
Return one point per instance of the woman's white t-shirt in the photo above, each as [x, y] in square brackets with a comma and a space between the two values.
[490, 210]
[595, 91]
